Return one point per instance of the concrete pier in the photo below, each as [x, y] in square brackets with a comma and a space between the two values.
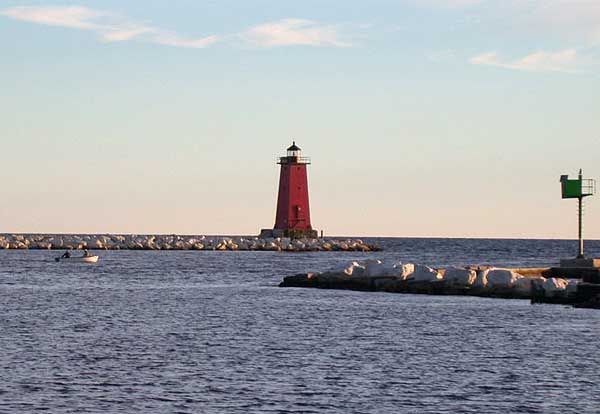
[580, 263]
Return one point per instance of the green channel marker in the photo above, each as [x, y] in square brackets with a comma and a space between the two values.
[578, 188]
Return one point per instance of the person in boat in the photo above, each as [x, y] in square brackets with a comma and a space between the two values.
[86, 253]
[66, 255]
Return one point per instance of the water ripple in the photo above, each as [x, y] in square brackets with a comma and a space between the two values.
[189, 332]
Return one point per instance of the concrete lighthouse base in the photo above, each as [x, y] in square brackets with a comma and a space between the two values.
[291, 233]
[580, 263]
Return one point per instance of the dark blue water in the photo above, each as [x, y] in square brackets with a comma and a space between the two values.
[209, 332]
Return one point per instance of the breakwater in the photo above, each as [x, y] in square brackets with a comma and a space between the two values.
[537, 285]
[179, 242]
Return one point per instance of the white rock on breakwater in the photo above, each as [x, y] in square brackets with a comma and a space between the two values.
[484, 280]
[174, 242]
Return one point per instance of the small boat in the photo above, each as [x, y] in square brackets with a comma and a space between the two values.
[78, 259]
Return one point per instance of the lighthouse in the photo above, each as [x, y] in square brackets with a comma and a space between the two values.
[293, 210]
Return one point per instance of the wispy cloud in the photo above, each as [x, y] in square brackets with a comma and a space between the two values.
[171, 39]
[567, 61]
[573, 26]
[73, 17]
[290, 32]
[111, 27]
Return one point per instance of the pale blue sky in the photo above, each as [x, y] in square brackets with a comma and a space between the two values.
[423, 117]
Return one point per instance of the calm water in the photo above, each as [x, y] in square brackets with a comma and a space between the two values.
[209, 332]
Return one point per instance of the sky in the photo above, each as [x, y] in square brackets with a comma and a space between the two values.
[423, 118]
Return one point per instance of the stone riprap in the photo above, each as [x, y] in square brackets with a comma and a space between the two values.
[174, 242]
[376, 275]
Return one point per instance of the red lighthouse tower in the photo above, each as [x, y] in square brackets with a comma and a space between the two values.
[293, 210]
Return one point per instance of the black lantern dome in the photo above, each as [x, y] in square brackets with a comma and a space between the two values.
[294, 147]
